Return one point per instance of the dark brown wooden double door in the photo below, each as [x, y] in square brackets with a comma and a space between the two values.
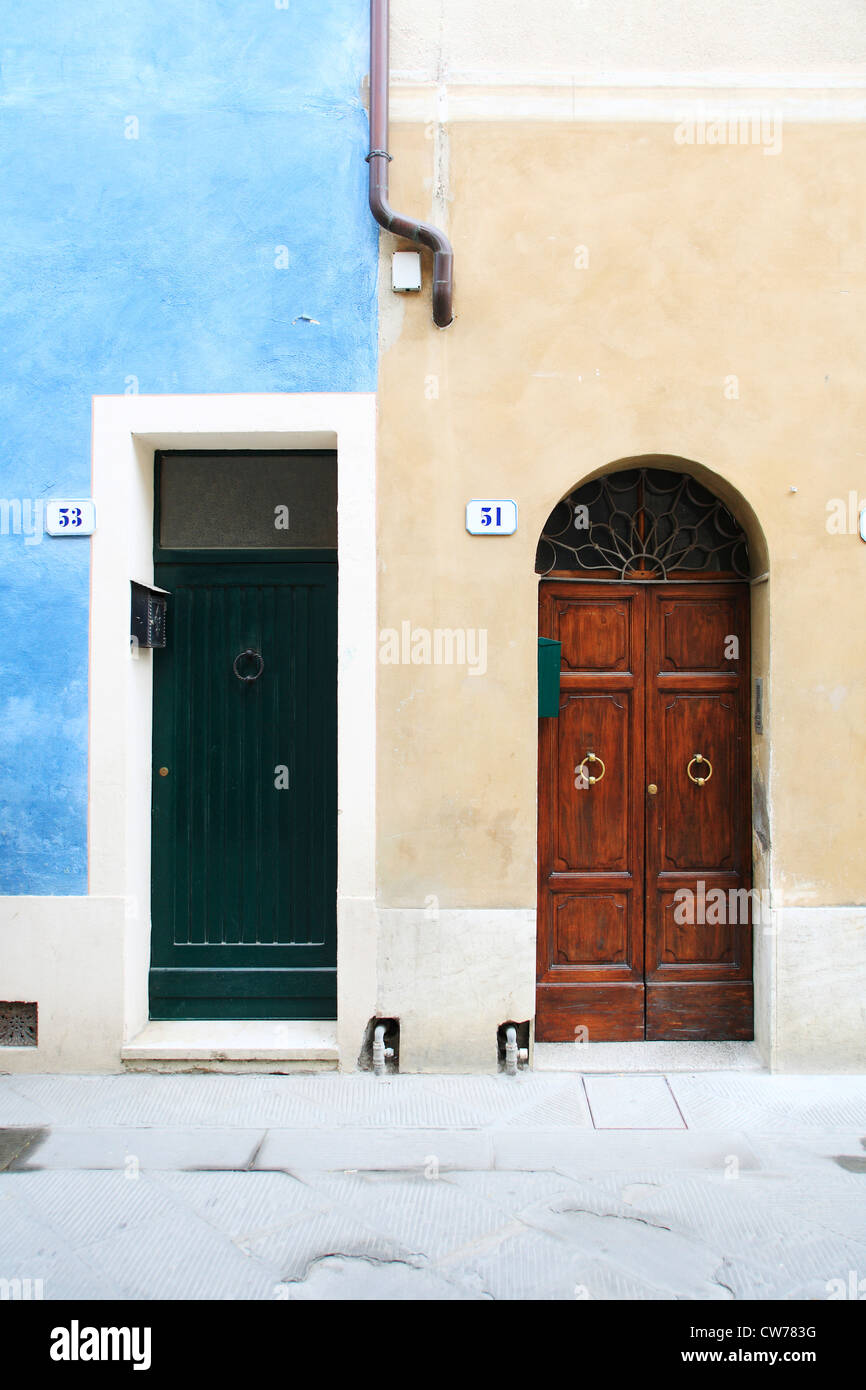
[644, 928]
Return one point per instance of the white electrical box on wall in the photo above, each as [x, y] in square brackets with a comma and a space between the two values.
[406, 271]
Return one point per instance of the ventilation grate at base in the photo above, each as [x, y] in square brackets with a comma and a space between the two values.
[18, 1024]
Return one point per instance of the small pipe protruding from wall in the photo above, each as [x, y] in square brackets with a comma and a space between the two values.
[379, 159]
[380, 1048]
[381, 1053]
[512, 1045]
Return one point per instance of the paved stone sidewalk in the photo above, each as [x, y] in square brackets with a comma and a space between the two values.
[542, 1186]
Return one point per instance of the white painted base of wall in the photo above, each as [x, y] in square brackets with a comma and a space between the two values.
[66, 956]
[820, 1023]
[452, 977]
[357, 938]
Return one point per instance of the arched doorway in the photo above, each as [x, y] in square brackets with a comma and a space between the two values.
[644, 891]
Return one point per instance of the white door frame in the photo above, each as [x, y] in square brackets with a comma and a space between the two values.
[127, 431]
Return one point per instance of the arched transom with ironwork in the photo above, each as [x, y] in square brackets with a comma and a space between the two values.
[645, 523]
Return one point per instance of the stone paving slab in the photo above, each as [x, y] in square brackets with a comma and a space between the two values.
[294, 1250]
[326, 1101]
[342, 1149]
[242, 1211]
[632, 1102]
[640, 1248]
[835, 1143]
[492, 1235]
[178, 1257]
[146, 1148]
[360, 1279]
[783, 1104]
[428, 1215]
[91, 1205]
[620, 1150]
[714, 1101]
[24, 1235]
[433, 1188]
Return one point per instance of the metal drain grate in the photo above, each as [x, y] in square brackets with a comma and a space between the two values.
[18, 1024]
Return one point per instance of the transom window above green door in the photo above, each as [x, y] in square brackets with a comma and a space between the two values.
[245, 501]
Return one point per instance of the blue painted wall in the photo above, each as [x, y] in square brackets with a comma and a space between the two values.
[153, 157]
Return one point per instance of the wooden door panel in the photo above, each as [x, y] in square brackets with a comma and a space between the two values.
[596, 633]
[650, 677]
[697, 831]
[699, 1012]
[694, 632]
[590, 929]
[590, 1013]
[594, 934]
[591, 884]
[698, 837]
[592, 822]
[681, 946]
[699, 943]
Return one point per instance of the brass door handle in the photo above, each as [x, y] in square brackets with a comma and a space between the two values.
[590, 758]
[699, 758]
[652, 789]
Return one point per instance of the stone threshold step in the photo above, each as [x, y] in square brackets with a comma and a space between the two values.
[648, 1057]
[226, 1041]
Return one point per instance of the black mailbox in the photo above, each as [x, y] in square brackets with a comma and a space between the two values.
[147, 624]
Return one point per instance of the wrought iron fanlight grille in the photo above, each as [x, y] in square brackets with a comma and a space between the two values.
[645, 523]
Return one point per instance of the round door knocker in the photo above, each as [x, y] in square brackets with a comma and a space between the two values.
[699, 758]
[256, 656]
[590, 758]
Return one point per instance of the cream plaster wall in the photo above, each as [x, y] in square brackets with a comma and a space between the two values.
[718, 320]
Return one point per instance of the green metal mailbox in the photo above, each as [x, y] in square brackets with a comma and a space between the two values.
[549, 655]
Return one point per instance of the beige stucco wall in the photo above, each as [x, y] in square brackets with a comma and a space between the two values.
[719, 320]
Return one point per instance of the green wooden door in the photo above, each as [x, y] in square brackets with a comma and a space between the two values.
[244, 815]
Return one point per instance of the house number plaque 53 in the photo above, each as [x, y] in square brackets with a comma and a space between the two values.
[70, 516]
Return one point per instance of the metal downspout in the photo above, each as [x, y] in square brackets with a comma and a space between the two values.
[378, 160]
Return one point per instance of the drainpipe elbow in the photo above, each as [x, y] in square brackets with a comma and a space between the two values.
[378, 160]
[443, 288]
[425, 235]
